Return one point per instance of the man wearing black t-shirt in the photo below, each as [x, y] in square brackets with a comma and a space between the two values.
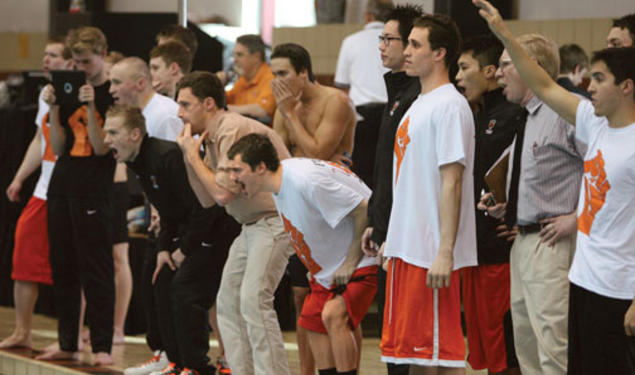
[79, 214]
[486, 287]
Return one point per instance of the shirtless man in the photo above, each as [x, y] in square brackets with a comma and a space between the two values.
[314, 121]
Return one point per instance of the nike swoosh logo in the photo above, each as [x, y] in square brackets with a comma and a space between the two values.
[91, 212]
[417, 349]
[205, 244]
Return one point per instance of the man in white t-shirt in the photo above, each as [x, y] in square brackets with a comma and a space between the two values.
[323, 208]
[431, 233]
[131, 84]
[602, 276]
[30, 255]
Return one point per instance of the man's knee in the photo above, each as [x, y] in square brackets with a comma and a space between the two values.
[335, 314]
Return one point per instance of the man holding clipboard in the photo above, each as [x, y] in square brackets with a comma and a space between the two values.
[79, 215]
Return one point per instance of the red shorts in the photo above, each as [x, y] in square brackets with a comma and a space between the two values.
[422, 326]
[31, 250]
[359, 295]
[487, 317]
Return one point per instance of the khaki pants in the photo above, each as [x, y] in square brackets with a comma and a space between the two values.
[540, 303]
[246, 318]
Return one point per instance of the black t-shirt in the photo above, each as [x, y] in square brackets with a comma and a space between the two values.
[79, 172]
[496, 126]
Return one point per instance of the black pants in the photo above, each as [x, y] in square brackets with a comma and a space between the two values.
[183, 298]
[597, 341]
[366, 135]
[153, 334]
[81, 257]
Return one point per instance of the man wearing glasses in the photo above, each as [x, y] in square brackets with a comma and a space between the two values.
[360, 72]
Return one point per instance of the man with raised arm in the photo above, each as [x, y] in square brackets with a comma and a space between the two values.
[486, 287]
[602, 277]
[79, 205]
[313, 120]
[323, 208]
[431, 234]
[258, 257]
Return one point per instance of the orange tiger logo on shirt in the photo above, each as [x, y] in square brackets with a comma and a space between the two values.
[595, 188]
[78, 123]
[401, 142]
[300, 246]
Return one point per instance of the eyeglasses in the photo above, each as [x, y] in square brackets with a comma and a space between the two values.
[386, 39]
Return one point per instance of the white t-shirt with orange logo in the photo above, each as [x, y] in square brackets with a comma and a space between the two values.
[604, 261]
[438, 129]
[314, 200]
[48, 157]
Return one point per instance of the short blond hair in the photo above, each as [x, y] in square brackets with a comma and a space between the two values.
[87, 38]
[544, 50]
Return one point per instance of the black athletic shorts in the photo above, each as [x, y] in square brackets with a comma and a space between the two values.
[120, 198]
[297, 272]
[597, 341]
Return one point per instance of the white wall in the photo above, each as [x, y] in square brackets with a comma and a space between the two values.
[24, 16]
[561, 9]
[197, 9]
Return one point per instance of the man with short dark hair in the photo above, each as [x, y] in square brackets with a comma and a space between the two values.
[402, 90]
[574, 65]
[359, 71]
[313, 120]
[192, 243]
[323, 208]
[601, 310]
[485, 287]
[169, 62]
[622, 33]
[180, 34]
[431, 234]
[258, 257]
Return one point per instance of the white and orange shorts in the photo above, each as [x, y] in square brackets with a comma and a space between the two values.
[422, 326]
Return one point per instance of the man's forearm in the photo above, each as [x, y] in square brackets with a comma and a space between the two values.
[32, 159]
[204, 198]
[95, 132]
[207, 178]
[57, 136]
[253, 110]
[450, 212]
[305, 141]
[360, 222]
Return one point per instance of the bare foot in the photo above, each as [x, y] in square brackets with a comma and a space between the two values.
[16, 341]
[102, 359]
[85, 336]
[58, 354]
[118, 339]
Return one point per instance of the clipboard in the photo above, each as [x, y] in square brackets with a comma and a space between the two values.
[496, 177]
[66, 84]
